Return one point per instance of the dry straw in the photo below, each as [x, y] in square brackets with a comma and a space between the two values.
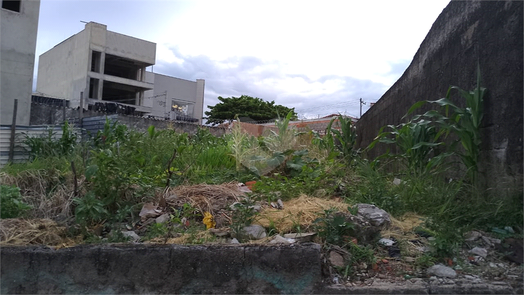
[300, 212]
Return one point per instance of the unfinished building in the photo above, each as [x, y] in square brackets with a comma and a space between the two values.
[97, 66]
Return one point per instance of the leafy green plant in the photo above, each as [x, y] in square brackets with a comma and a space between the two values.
[11, 202]
[50, 146]
[345, 136]
[89, 209]
[333, 227]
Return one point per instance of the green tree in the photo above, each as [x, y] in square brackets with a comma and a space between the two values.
[245, 106]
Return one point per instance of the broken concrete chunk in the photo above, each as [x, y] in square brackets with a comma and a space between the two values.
[482, 252]
[278, 239]
[163, 218]
[134, 237]
[149, 211]
[374, 215]
[254, 232]
[442, 271]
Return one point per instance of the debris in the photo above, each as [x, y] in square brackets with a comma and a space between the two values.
[254, 232]
[442, 271]
[208, 220]
[278, 239]
[149, 211]
[134, 237]
[374, 215]
[234, 241]
[162, 218]
[473, 236]
[280, 204]
[479, 251]
[386, 242]
[300, 237]
[397, 181]
[336, 259]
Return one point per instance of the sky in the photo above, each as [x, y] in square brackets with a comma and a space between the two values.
[319, 57]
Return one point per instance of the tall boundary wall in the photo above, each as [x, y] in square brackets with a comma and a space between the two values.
[489, 33]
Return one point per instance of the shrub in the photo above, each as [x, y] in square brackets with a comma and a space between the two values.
[11, 203]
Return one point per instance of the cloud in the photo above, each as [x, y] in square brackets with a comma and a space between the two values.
[269, 80]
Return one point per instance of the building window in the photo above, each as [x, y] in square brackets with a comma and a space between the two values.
[93, 88]
[13, 5]
[95, 61]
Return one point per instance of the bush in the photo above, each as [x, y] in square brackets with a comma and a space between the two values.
[11, 203]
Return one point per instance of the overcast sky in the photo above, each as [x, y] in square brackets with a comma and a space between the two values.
[319, 57]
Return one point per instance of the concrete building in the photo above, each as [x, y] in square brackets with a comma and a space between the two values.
[97, 65]
[176, 99]
[18, 29]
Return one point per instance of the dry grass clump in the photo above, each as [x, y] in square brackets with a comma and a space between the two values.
[31, 232]
[402, 229]
[207, 198]
[48, 193]
[299, 212]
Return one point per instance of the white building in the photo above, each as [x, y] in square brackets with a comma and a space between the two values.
[174, 98]
[18, 29]
[97, 65]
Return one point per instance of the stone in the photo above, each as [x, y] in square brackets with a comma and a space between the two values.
[280, 204]
[482, 252]
[397, 181]
[162, 218]
[386, 242]
[336, 259]
[472, 236]
[134, 237]
[300, 237]
[278, 239]
[442, 271]
[254, 232]
[374, 215]
[149, 211]
[234, 241]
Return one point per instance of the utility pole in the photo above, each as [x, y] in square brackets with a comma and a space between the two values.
[361, 103]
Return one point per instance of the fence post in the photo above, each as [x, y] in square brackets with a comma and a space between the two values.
[64, 111]
[13, 129]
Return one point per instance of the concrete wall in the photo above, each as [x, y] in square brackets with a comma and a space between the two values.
[167, 88]
[466, 33]
[130, 47]
[43, 114]
[62, 70]
[161, 269]
[18, 32]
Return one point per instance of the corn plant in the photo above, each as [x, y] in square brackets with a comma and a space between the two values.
[346, 136]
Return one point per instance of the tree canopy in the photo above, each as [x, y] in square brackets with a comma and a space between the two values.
[245, 106]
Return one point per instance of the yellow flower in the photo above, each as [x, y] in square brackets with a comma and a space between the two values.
[208, 220]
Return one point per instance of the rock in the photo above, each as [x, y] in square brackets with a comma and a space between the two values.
[491, 264]
[336, 259]
[162, 218]
[280, 204]
[472, 236]
[374, 215]
[278, 239]
[482, 252]
[300, 237]
[149, 211]
[134, 237]
[256, 208]
[234, 241]
[386, 242]
[397, 181]
[243, 188]
[254, 232]
[442, 271]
